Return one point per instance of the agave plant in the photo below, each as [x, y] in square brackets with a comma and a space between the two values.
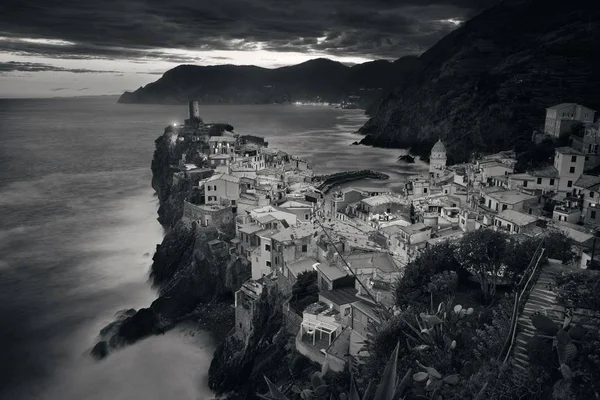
[436, 329]
[389, 388]
[564, 338]
[434, 381]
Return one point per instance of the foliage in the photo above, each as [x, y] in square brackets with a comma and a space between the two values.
[558, 246]
[500, 383]
[305, 291]
[517, 258]
[579, 289]
[489, 339]
[443, 286]
[532, 155]
[481, 252]
[390, 386]
[411, 288]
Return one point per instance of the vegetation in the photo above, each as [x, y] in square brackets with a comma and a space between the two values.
[305, 291]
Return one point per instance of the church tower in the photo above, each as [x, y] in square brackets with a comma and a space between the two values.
[437, 159]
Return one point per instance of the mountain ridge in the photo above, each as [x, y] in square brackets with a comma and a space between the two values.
[485, 86]
[316, 79]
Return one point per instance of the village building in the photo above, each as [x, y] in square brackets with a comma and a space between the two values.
[303, 209]
[410, 242]
[246, 306]
[562, 117]
[569, 163]
[437, 160]
[499, 200]
[372, 207]
[339, 200]
[222, 189]
[587, 188]
[513, 221]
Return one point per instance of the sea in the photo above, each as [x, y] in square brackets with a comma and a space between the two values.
[78, 230]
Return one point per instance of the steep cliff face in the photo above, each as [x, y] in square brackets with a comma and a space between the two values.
[237, 368]
[486, 85]
[192, 281]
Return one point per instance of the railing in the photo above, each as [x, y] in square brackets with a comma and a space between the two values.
[521, 294]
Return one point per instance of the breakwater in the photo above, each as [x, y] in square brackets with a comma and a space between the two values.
[329, 181]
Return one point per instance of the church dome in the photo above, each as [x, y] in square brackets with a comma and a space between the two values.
[438, 147]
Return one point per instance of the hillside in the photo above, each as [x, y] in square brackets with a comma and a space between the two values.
[485, 85]
[232, 84]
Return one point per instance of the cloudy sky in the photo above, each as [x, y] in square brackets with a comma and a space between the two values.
[93, 47]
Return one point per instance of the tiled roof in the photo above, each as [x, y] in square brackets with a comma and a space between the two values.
[224, 177]
[340, 296]
[568, 150]
[379, 260]
[547, 172]
[510, 196]
[587, 181]
[516, 217]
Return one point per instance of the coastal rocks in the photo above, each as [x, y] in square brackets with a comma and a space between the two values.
[100, 350]
[191, 280]
[407, 158]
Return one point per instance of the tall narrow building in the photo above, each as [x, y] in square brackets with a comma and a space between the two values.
[437, 159]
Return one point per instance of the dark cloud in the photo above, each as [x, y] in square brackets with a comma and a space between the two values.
[15, 66]
[135, 29]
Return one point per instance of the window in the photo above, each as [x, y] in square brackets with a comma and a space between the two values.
[593, 214]
[233, 202]
[276, 260]
[592, 195]
[552, 181]
[306, 216]
[504, 206]
[424, 190]
[524, 183]
[268, 263]
[539, 181]
[304, 248]
[572, 170]
[267, 247]
[531, 211]
[208, 188]
[573, 158]
[569, 183]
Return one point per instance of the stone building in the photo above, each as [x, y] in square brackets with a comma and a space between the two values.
[437, 160]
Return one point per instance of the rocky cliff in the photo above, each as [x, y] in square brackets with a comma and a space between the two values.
[234, 84]
[194, 282]
[486, 85]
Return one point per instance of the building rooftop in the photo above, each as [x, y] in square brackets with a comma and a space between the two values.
[372, 189]
[263, 219]
[224, 177]
[568, 150]
[331, 272]
[438, 147]
[296, 204]
[574, 234]
[522, 177]
[510, 196]
[415, 228]
[219, 156]
[379, 260]
[249, 228]
[296, 232]
[215, 139]
[267, 233]
[391, 229]
[546, 172]
[516, 217]
[588, 182]
[299, 266]
[340, 296]
[383, 199]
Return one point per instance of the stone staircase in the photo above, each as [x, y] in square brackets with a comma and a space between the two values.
[541, 299]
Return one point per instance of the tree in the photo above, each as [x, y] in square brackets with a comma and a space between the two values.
[412, 287]
[481, 252]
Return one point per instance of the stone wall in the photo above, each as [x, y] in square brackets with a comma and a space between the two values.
[291, 318]
[207, 215]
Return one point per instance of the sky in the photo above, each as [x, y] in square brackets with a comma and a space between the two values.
[103, 47]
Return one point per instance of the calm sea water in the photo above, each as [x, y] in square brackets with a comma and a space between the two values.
[78, 228]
